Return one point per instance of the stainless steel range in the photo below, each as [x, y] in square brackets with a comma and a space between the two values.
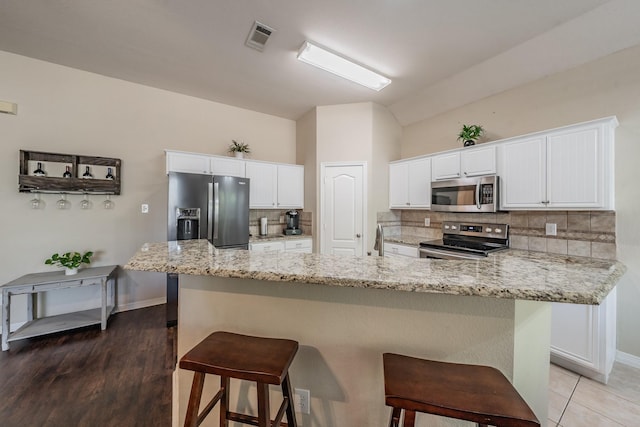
[466, 240]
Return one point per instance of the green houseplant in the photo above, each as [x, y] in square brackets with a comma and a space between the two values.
[239, 148]
[70, 261]
[469, 134]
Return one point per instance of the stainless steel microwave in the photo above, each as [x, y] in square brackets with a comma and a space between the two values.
[479, 194]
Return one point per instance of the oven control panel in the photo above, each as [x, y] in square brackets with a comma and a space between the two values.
[497, 231]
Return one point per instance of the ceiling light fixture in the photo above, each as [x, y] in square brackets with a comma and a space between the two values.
[333, 63]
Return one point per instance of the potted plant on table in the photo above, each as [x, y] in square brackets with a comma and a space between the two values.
[239, 149]
[469, 134]
[70, 261]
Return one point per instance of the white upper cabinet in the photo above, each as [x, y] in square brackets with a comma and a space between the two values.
[410, 184]
[568, 168]
[188, 163]
[263, 185]
[522, 167]
[275, 186]
[178, 161]
[446, 166]
[478, 161]
[227, 166]
[464, 163]
[272, 186]
[290, 187]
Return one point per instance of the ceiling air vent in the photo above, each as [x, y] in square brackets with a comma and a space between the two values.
[258, 36]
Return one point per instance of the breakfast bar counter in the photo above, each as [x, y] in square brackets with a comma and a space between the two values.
[347, 311]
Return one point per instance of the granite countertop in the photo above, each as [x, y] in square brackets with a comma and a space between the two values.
[406, 239]
[512, 274]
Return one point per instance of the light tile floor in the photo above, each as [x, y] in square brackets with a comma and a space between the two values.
[577, 401]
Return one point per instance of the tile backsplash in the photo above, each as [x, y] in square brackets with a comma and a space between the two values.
[581, 233]
[274, 226]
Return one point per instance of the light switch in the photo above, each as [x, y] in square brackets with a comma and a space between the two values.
[144, 208]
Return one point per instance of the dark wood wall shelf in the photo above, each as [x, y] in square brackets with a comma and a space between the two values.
[76, 184]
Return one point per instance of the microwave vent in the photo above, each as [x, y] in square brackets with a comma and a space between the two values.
[258, 36]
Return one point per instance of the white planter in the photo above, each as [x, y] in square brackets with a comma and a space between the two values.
[70, 271]
[239, 155]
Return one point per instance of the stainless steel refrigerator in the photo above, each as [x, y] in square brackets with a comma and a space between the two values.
[204, 207]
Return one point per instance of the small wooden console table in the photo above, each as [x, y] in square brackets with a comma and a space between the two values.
[41, 282]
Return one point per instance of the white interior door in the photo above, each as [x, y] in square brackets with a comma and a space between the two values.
[342, 207]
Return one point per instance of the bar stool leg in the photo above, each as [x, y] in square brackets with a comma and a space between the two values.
[194, 400]
[409, 418]
[264, 414]
[395, 417]
[224, 401]
[287, 393]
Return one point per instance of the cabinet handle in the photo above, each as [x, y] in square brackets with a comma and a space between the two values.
[408, 204]
[358, 235]
[465, 173]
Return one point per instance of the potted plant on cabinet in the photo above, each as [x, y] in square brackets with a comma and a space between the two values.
[469, 134]
[70, 261]
[239, 149]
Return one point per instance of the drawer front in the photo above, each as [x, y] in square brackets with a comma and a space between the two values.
[298, 245]
[268, 247]
[400, 250]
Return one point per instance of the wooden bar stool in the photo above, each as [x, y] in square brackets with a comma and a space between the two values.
[474, 393]
[262, 360]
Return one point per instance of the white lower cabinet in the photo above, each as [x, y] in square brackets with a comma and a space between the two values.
[285, 245]
[399, 250]
[299, 245]
[583, 337]
[271, 246]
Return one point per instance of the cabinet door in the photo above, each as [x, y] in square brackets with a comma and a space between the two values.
[396, 250]
[446, 166]
[188, 163]
[575, 169]
[227, 167]
[420, 183]
[478, 161]
[522, 170]
[263, 184]
[290, 187]
[399, 185]
[299, 245]
[277, 246]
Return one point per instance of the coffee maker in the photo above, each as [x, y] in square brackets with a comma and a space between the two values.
[293, 223]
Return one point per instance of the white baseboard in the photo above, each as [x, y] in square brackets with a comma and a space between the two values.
[628, 359]
[140, 304]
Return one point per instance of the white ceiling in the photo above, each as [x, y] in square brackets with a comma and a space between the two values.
[440, 54]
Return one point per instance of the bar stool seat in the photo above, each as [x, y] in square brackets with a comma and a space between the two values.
[480, 394]
[261, 360]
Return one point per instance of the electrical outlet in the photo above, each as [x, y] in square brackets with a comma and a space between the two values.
[302, 401]
[551, 229]
[144, 208]
[427, 222]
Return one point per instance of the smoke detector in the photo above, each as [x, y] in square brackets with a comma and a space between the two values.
[258, 36]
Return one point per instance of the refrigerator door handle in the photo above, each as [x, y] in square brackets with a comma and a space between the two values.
[210, 210]
[216, 209]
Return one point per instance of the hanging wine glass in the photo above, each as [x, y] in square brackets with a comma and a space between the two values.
[36, 202]
[85, 203]
[63, 203]
[108, 203]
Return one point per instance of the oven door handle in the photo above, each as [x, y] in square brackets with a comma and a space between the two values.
[444, 254]
[478, 205]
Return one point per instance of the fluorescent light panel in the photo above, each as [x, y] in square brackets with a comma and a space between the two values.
[329, 61]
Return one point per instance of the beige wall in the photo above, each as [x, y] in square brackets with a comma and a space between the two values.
[306, 134]
[64, 110]
[362, 132]
[609, 86]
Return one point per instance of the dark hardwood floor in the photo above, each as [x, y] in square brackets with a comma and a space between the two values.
[88, 377]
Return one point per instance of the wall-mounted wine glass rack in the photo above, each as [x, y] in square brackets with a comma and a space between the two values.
[28, 183]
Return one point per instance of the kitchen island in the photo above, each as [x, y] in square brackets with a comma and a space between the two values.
[346, 311]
